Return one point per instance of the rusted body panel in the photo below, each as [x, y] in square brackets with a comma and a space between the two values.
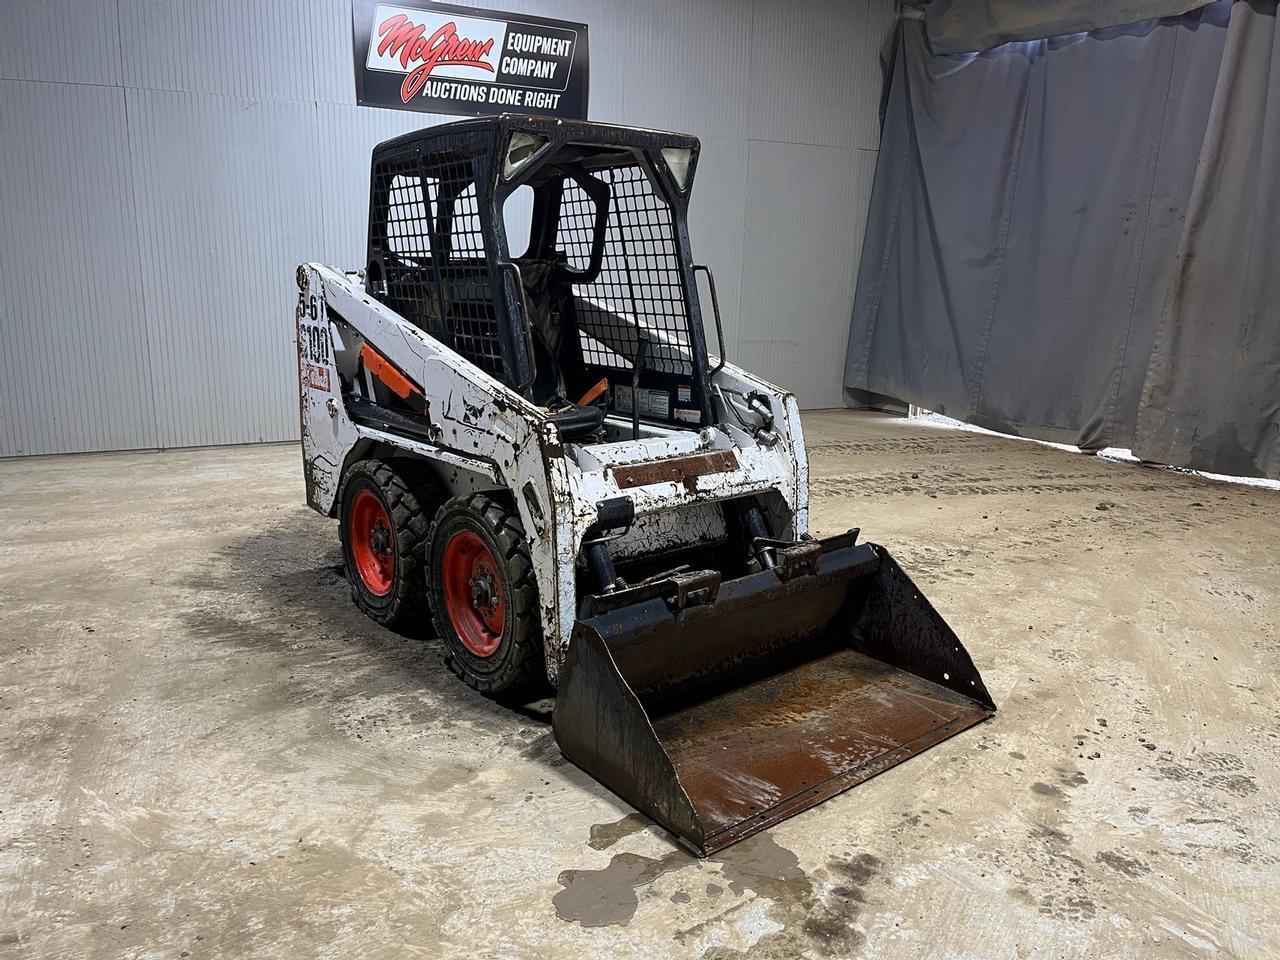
[682, 470]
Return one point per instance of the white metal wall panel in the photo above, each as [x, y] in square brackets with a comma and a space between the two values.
[691, 64]
[238, 48]
[227, 201]
[716, 228]
[814, 197]
[345, 138]
[65, 41]
[222, 145]
[74, 357]
[802, 89]
[864, 65]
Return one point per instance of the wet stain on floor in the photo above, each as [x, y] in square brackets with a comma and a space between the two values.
[601, 898]
[605, 835]
[814, 914]
[814, 918]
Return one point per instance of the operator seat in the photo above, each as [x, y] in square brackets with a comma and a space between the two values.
[575, 421]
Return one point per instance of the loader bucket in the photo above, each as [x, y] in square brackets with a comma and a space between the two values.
[724, 718]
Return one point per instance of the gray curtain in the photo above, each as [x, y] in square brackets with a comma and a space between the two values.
[1212, 395]
[963, 26]
[1023, 240]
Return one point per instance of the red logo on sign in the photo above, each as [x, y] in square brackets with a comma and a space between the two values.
[403, 37]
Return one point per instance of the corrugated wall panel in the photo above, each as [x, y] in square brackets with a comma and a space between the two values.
[873, 40]
[802, 87]
[245, 154]
[64, 41]
[345, 137]
[692, 64]
[814, 198]
[237, 48]
[227, 205]
[74, 365]
[716, 228]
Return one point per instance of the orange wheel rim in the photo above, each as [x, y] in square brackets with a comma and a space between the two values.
[373, 543]
[475, 593]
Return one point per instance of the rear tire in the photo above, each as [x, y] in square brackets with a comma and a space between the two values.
[384, 525]
[484, 601]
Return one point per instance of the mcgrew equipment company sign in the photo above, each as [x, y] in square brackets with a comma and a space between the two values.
[439, 58]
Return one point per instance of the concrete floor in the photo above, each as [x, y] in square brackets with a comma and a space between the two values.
[207, 752]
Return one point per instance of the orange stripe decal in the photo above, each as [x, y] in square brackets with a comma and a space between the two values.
[386, 371]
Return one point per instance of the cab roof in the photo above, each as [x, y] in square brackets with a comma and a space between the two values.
[474, 130]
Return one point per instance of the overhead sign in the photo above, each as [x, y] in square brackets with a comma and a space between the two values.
[439, 58]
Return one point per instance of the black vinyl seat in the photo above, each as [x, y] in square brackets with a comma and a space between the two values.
[574, 420]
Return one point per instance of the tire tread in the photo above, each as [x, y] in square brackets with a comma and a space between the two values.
[409, 499]
[526, 652]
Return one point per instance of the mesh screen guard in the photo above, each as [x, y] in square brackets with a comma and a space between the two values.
[604, 271]
[437, 271]
[639, 289]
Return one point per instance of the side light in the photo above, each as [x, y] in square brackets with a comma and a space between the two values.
[520, 150]
[678, 161]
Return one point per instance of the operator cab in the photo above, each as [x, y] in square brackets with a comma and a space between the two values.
[553, 255]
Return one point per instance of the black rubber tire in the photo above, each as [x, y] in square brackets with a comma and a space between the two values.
[519, 655]
[408, 506]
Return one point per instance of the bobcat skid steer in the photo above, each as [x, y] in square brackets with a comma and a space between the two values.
[514, 417]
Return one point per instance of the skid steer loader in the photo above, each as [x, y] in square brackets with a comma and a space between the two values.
[513, 414]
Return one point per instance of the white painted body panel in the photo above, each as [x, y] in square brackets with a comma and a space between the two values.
[485, 435]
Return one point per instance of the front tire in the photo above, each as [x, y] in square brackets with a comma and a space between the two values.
[384, 524]
[484, 601]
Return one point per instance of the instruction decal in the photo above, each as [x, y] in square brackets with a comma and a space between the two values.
[653, 402]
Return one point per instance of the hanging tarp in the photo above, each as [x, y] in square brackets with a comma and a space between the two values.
[1023, 237]
[1212, 394]
[967, 26]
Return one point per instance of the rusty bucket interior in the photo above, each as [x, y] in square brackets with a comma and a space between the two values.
[721, 719]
